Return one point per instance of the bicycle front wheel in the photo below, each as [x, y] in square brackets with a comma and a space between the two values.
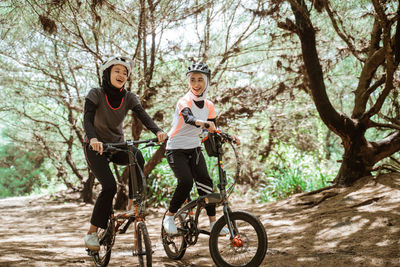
[106, 240]
[248, 246]
[144, 250]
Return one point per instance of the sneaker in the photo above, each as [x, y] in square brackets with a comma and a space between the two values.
[224, 230]
[169, 225]
[92, 241]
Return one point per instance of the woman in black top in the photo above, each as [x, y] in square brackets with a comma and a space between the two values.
[105, 110]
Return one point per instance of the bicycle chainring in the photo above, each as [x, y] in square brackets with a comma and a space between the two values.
[193, 233]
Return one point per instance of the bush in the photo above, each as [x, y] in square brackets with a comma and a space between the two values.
[293, 171]
[20, 171]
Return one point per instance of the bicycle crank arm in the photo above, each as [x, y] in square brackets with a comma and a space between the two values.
[128, 223]
[184, 230]
[143, 253]
[204, 232]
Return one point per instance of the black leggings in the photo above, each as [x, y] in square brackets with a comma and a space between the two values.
[189, 165]
[99, 165]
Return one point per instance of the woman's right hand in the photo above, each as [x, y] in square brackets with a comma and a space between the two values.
[161, 137]
[211, 126]
[96, 145]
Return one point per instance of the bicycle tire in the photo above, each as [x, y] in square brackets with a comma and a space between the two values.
[106, 240]
[171, 249]
[247, 227]
[143, 241]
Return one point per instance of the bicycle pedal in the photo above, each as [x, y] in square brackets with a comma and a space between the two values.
[91, 252]
[134, 253]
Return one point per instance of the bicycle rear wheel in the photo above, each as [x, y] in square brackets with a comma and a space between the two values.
[174, 246]
[144, 250]
[247, 248]
[106, 240]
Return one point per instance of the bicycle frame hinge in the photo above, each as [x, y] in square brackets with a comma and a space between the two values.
[213, 198]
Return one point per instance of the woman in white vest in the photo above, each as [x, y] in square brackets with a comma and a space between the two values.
[193, 112]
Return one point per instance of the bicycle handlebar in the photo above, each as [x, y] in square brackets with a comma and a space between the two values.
[225, 136]
[221, 134]
[122, 146]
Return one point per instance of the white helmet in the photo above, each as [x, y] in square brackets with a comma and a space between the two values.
[127, 62]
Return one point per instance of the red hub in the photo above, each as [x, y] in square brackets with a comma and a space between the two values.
[237, 242]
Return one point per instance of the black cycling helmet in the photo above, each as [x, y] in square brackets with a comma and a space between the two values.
[199, 67]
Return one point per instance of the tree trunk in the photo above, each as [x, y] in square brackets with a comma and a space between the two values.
[155, 159]
[350, 171]
[87, 191]
[354, 165]
[121, 199]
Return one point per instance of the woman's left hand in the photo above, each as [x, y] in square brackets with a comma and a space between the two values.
[162, 137]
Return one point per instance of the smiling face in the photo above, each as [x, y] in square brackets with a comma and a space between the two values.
[118, 76]
[197, 83]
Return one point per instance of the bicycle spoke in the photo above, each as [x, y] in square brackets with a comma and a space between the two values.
[243, 253]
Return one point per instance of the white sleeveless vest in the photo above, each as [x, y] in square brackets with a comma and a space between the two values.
[183, 135]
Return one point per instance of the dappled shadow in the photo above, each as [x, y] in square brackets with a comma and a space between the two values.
[357, 226]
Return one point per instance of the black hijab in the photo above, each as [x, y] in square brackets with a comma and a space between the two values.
[113, 93]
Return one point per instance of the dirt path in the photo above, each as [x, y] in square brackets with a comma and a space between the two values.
[358, 226]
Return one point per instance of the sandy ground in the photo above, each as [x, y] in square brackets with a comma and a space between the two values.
[357, 226]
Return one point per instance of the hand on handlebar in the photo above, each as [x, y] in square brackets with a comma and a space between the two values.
[96, 145]
[208, 125]
[162, 137]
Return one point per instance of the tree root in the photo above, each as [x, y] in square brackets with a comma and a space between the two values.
[366, 202]
[316, 202]
[318, 190]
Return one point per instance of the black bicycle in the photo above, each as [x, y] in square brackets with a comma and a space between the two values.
[246, 244]
[119, 223]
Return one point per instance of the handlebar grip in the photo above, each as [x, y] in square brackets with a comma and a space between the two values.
[206, 125]
[155, 139]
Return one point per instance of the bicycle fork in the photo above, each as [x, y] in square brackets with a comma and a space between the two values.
[236, 240]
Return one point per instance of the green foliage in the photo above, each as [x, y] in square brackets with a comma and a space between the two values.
[21, 172]
[162, 183]
[290, 171]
